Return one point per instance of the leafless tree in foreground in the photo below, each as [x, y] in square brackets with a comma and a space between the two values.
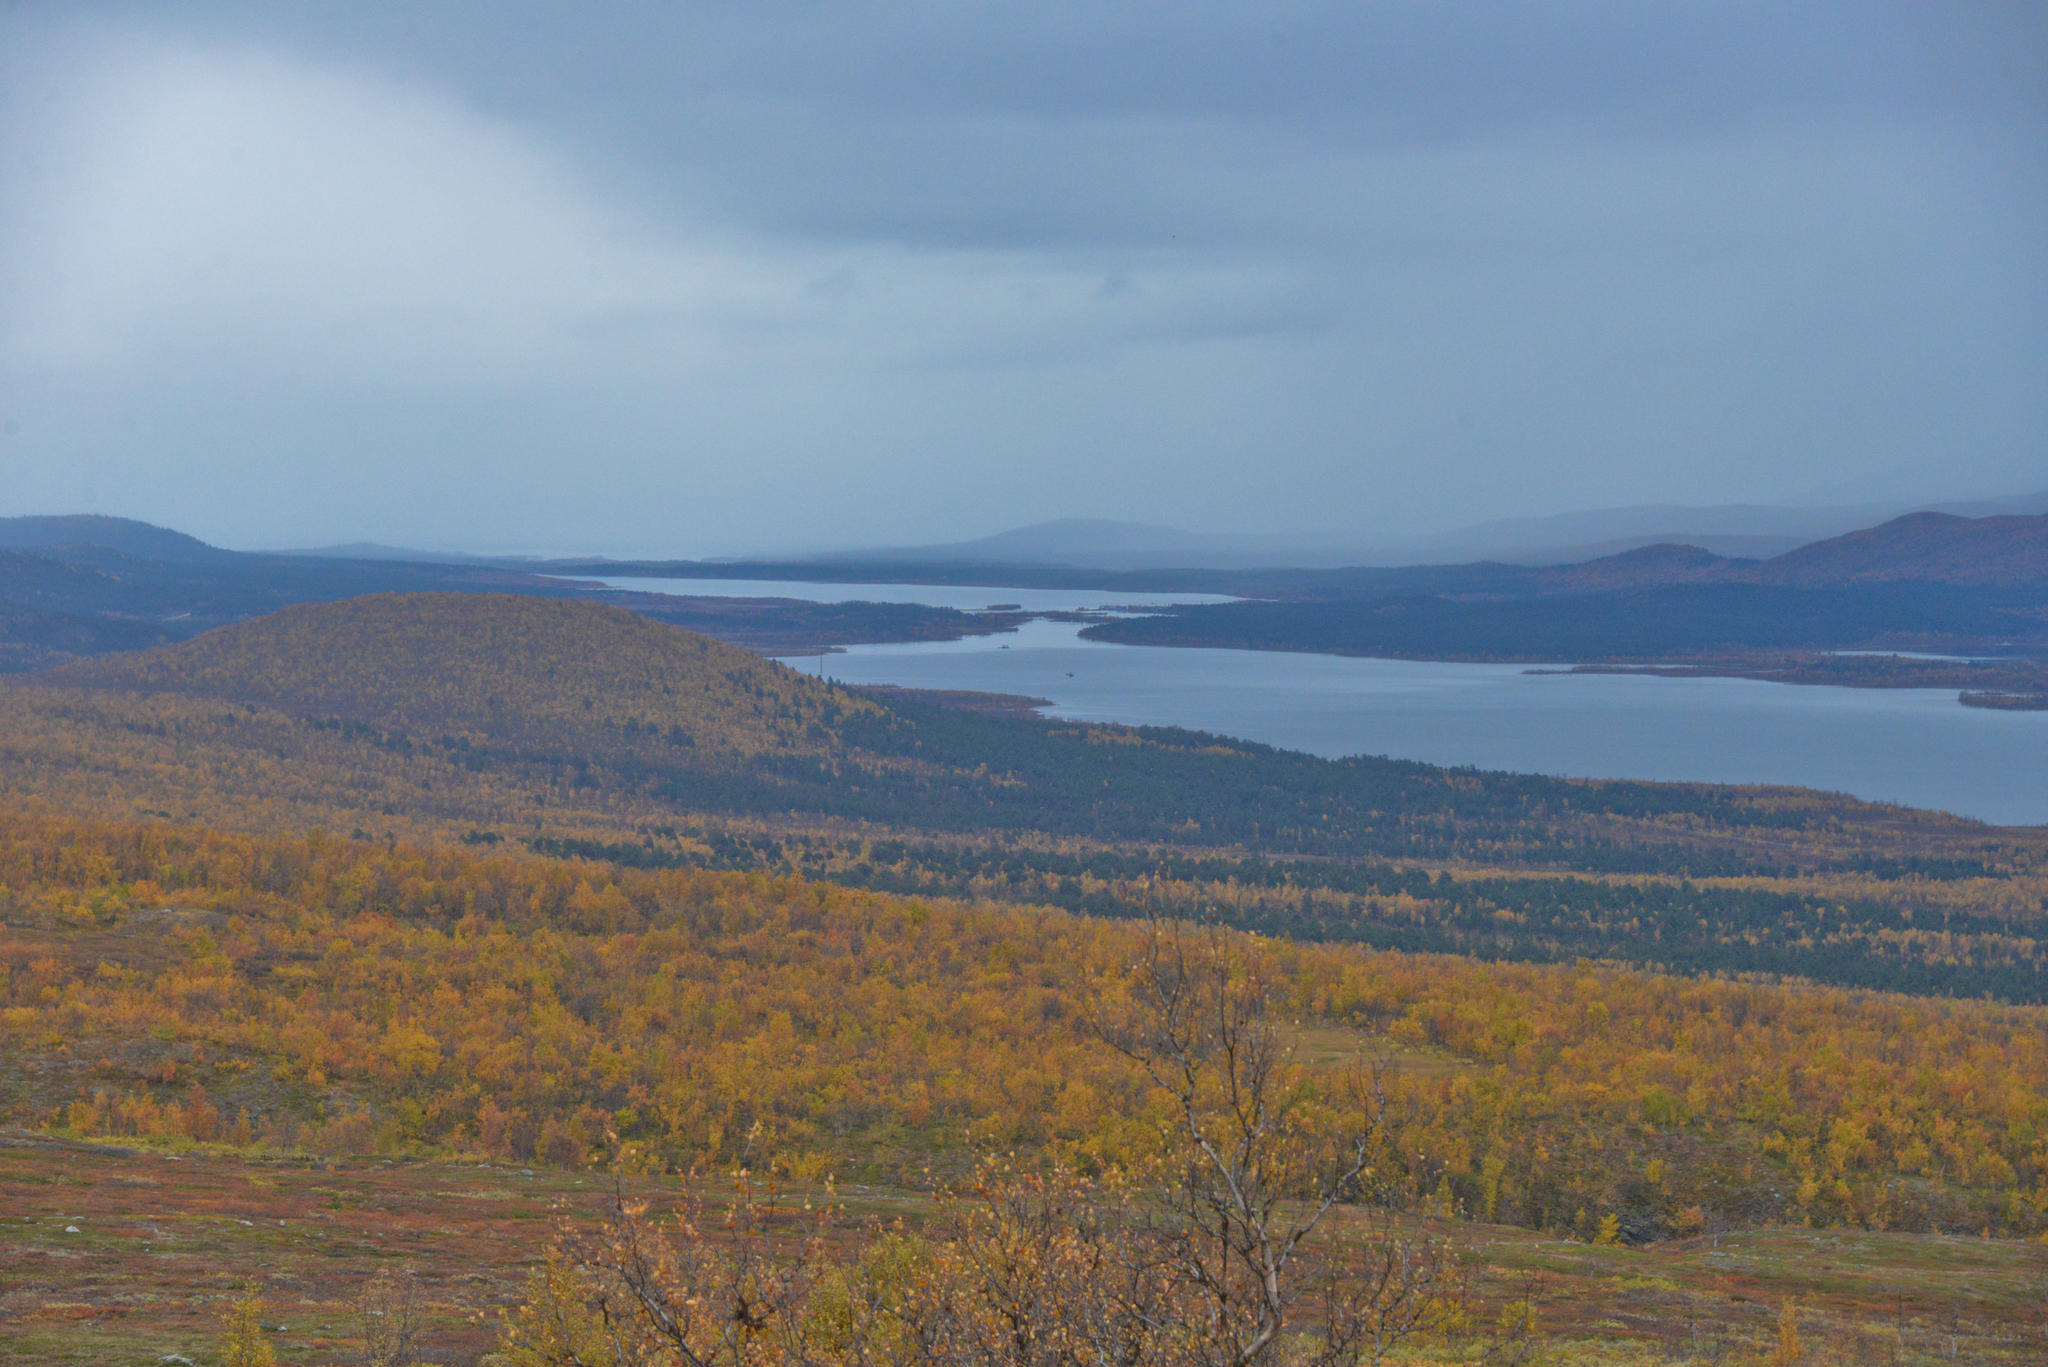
[1232, 1252]
[708, 1291]
[1262, 1155]
[389, 1307]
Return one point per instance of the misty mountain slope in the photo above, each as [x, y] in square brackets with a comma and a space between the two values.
[143, 540]
[1939, 548]
[1081, 543]
[1735, 531]
[1924, 582]
[97, 586]
[1928, 548]
[1752, 530]
[1656, 565]
[106, 575]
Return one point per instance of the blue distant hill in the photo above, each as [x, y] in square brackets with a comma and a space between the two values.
[143, 540]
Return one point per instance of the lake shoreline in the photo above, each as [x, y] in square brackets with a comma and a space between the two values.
[806, 619]
[1983, 763]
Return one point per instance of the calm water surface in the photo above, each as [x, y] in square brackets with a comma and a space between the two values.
[1914, 746]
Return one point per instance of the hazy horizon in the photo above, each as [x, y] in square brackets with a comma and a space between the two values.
[707, 282]
[1710, 521]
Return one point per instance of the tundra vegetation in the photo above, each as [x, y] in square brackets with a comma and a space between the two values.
[443, 976]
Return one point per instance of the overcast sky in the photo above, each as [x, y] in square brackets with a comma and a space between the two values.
[702, 280]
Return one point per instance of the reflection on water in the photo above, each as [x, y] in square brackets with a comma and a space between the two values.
[1914, 746]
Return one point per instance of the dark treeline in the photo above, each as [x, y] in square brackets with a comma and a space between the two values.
[1656, 623]
[1845, 941]
[983, 774]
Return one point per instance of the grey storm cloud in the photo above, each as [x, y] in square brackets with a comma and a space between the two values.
[697, 279]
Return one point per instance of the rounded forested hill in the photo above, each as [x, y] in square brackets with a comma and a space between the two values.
[503, 666]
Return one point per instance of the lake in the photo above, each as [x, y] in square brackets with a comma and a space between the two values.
[1912, 746]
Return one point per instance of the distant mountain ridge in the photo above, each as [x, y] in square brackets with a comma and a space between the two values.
[1102, 543]
[1743, 530]
[144, 540]
[1734, 532]
[1926, 548]
[1740, 531]
[2009, 552]
[1935, 548]
[85, 586]
[1925, 582]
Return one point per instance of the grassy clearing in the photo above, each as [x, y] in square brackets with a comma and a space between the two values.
[164, 1239]
[1861, 1297]
[1337, 1046]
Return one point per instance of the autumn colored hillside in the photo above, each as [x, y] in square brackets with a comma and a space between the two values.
[461, 879]
[583, 676]
[494, 684]
[353, 999]
[574, 728]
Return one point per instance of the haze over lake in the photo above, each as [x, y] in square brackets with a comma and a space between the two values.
[966, 597]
